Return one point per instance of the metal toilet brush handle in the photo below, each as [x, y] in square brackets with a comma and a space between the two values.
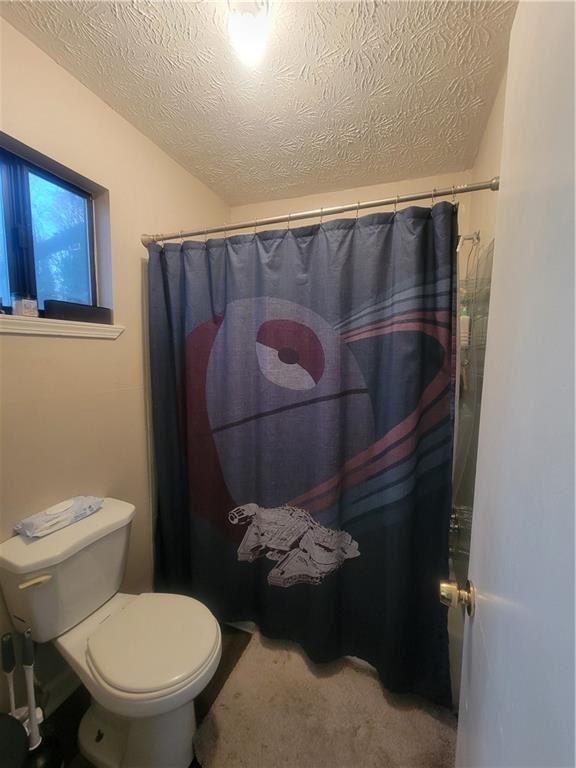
[28, 664]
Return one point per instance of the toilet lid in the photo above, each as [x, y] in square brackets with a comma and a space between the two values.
[156, 642]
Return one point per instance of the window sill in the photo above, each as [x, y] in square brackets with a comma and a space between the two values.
[43, 326]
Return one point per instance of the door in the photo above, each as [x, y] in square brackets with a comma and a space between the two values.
[517, 696]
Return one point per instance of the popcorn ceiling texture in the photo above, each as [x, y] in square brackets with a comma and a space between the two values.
[348, 94]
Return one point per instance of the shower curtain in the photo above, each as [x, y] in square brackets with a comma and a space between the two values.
[302, 385]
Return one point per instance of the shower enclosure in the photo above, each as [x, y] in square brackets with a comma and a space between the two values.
[473, 305]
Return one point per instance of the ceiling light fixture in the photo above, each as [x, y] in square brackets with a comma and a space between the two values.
[248, 25]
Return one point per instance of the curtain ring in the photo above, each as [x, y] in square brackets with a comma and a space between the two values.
[205, 228]
[181, 236]
[289, 217]
[255, 227]
[321, 215]
[433, 195]
[396, 203]
[453, 194]
[357, 209]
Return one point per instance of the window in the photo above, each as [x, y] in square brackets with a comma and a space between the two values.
[46, 236]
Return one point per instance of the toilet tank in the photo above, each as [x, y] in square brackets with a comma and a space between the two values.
[50, 584]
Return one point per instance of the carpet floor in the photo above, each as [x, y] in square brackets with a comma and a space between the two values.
[277, 709]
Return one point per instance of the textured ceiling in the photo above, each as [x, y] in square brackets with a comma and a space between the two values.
[348, 94]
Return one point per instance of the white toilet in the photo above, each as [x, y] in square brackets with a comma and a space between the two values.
[144, 658]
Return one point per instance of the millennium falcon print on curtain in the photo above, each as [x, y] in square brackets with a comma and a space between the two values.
[303, 417]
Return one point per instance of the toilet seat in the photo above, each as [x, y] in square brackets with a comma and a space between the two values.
[158, 643]
[97, 647]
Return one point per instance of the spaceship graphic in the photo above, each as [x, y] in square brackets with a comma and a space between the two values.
[305, 551]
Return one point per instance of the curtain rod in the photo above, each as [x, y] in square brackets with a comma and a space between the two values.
[457, 189]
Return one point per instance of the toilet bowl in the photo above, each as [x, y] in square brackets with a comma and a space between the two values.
[143, 658]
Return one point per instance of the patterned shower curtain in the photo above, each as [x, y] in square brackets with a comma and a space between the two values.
[303, 385]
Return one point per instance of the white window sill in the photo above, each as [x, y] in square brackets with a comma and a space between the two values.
[43, 326]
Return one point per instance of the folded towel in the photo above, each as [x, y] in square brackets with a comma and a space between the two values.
[57, 517]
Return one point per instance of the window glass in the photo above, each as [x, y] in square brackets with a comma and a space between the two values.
[4, 279]
[60, 233]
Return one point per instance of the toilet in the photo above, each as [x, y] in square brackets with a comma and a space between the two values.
[143, 658]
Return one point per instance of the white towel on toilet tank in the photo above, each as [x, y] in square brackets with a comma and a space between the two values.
[57, 517]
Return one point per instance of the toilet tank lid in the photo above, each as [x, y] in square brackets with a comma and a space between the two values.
[20, 555]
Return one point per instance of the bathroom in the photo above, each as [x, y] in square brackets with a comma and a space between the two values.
[175, 118]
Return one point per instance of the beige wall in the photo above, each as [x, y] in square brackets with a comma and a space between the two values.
[73, 411]
[351, 195]
[482, 205]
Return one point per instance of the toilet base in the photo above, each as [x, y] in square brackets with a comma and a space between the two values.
[164, 741]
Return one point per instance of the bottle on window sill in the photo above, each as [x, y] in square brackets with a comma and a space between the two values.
[22, 305]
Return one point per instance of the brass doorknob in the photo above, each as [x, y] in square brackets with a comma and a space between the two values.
[452, 595]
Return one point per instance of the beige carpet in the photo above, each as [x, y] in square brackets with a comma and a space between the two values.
[277, 709]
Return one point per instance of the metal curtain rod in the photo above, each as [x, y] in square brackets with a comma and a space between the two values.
[458, 189]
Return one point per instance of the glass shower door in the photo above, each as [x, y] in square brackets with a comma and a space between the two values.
[474, 301]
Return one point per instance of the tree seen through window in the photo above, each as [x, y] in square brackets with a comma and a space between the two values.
[61, 242]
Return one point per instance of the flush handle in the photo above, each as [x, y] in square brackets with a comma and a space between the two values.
[36, 581]
[452, 595]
